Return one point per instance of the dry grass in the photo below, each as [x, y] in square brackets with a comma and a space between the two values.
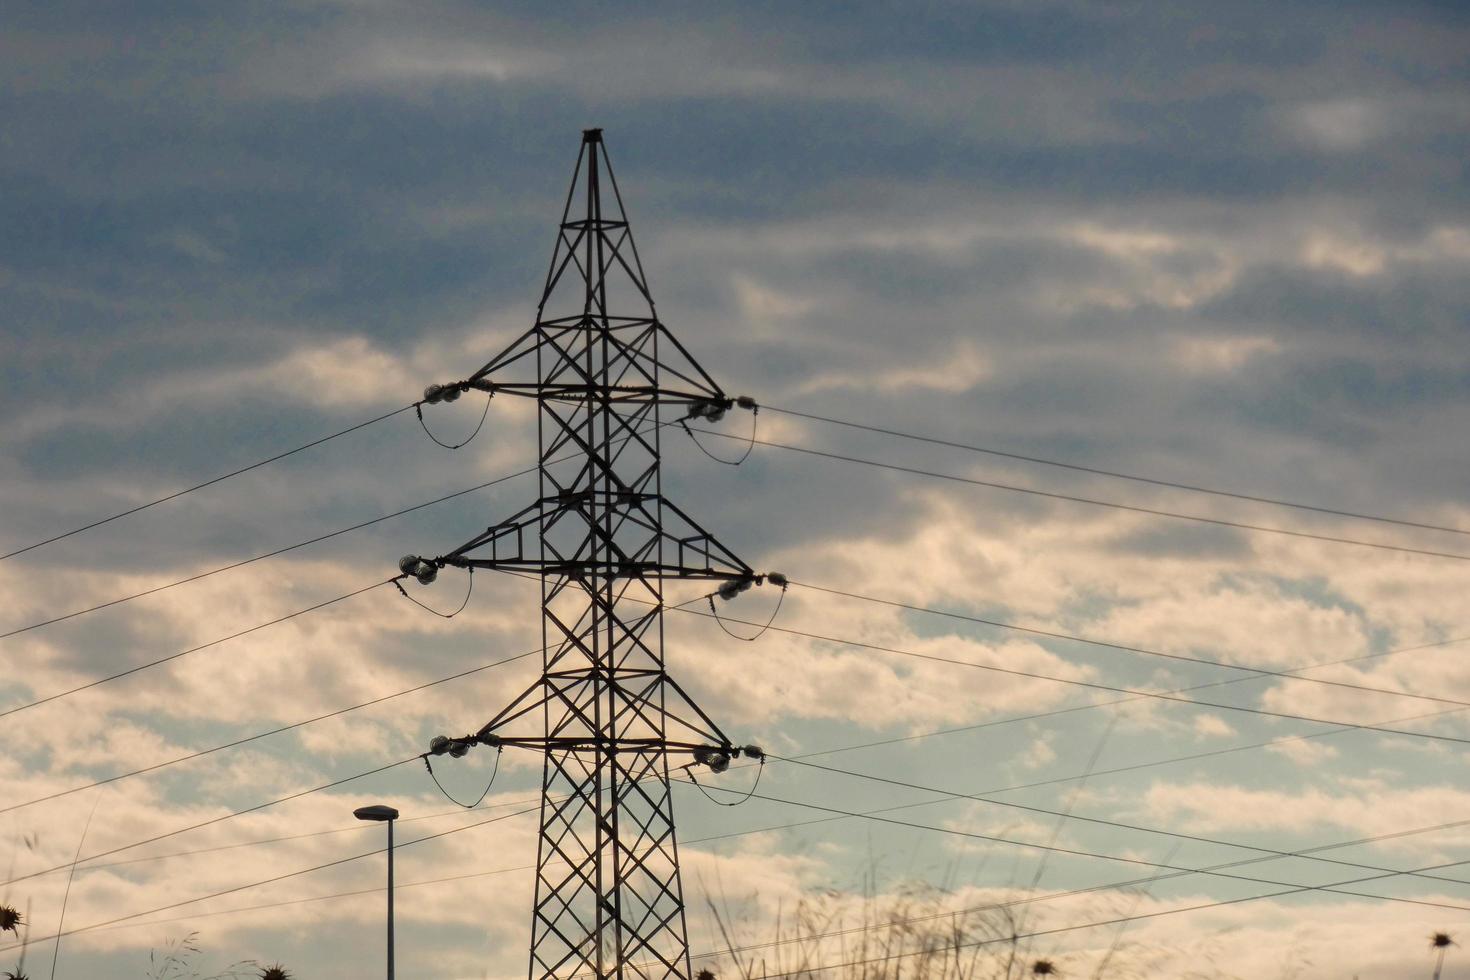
[176, 962]
[919, 932]
[912, 935]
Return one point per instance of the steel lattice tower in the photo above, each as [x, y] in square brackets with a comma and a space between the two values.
[603, 540]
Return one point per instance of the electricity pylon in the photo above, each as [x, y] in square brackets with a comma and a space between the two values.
[603, 539]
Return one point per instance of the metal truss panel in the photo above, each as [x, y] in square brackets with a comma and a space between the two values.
[603, 539]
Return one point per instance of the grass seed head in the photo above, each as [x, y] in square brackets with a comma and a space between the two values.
[9, 919]
[277, 972]
[1440, 940]
[1044, 968]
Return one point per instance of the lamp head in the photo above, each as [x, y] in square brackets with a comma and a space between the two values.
[376, 812]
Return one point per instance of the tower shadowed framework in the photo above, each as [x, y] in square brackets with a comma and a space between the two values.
[608, 376]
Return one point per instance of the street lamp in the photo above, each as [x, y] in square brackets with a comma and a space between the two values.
[381, 813]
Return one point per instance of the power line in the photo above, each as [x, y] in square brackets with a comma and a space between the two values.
[997, 907]
[1179, 872]
[260, 557]
[259, 735]
[1077, 709]
[184, 653]
[842, 815]
[819, 752]
[207, 483]
[1156, 877]
[285, 838]
[1421, 872]
[1133, 649]
[1129, 768]
[1132, 508]
[1180, 690]
[1256, 674]
[429, 881]
[1345, 727]
[884, 741]
[792, 412]
[874, 744]
[524, 472]
[446, 833]
[1097, 855]
[1196, 756]
[1134, 767]
[830, 751]
[1355, 842]
[1136, 917]
[1118, 475]
[1110, 886]
[309, 541]
[740, 949]
[1069, 893]
[1270, 853]
[85, 864]
[292, 874]
[1127, 648]
[274, 731]
[846, 813]
[317, 898]
[214, 820]
[266, 881]
[1261, 672]
[432, 881]
[1094, 685]
[1099, 821]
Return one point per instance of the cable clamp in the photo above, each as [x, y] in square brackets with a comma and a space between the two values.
[420, 568]
[714, 756]
[434, 394]
[712, 409]
[735, 586]
[458, 748]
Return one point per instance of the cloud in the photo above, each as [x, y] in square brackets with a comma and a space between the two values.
[1306, 753]
[1207, 355]
[1337, 124]
[1212, 726]
[1357, 811]
[1185, 247]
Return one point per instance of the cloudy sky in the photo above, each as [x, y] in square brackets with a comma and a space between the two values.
[1219, 245]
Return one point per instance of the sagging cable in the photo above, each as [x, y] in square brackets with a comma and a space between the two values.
[469, 591]
[434, 394]
[714, 411]
[468, 806]
[751, 750]
[733, 588]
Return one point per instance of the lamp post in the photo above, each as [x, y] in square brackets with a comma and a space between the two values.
[381, 813]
